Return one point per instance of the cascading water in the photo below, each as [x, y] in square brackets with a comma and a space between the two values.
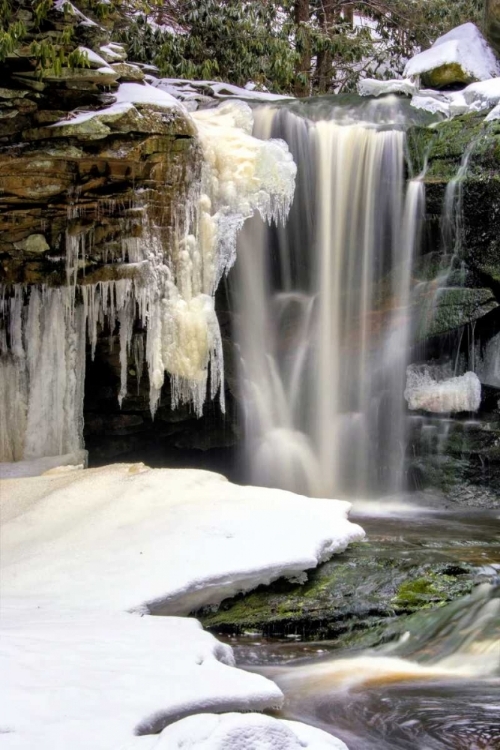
[324, 318]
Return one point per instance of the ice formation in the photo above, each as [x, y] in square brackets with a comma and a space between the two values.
[41, 374]
[428, 390]
[171, 293]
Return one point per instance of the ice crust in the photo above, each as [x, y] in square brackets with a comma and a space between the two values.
[171, 292]
[426, 391]
[465, 46]
[81, 547]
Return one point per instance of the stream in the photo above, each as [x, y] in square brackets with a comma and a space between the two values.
[435, 683]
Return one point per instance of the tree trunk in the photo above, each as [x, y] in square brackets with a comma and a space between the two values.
[492, 23]
[326, 16]
[303, 42]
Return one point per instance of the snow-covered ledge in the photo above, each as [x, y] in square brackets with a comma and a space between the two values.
[86, 552]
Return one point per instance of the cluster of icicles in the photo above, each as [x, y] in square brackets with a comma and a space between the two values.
[42, 342]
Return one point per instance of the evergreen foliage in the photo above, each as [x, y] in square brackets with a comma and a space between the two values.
[290, 46]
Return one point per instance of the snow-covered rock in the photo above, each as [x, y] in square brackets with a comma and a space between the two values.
[374, 87]
[137, 93]
[482, 95]
[238, 732]
[460, 56]
[81, 547]
[494, 114]
[430, 102]
[425, 391]
[149, 537]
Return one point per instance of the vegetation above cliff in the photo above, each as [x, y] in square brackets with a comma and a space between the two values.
[299, 46]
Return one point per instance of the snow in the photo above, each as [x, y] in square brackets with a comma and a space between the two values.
[432, 104]
[36, 466]
[464, 46]
[427, 392]
[95, 59]
[101, 680]
[113, 52]
[374, 87]
[137, 93]
[251, 732]
[186, 90]
[80, 547]
[175, 518]
[105, 115]
[494, 114]
[482, 95]
[65, 6]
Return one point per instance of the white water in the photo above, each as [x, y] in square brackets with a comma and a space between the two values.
[324, 321]
[170, 291]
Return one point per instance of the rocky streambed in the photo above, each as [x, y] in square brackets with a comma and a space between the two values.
[414, 558]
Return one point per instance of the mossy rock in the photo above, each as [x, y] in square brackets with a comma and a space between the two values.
[367, 586]
[444, 76]
[452, 308]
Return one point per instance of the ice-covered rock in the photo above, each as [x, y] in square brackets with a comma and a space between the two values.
[425, 391]
[431, 102]
[482, 95]
[460, 56]
[374, 87]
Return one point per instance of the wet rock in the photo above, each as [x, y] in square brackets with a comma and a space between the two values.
[396, 573]
[453, 308]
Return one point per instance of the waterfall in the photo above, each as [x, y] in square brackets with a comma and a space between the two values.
[324, 317]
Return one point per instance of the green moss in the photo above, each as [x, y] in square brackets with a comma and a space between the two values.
[446, 75]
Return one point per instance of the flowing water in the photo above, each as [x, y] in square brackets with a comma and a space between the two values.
[327, 314]
[435, 684]
[324, 318]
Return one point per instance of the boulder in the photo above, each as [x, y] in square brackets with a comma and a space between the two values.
[459, 57]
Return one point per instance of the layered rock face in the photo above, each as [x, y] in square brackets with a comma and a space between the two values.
[78, 197]
[458, 274]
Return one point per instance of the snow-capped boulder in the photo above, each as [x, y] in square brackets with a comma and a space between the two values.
[374, 87]
[244, 732]
[459, 57]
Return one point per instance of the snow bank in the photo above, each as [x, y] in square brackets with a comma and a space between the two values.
[237, 732]
[80, 547]
[126, 537]
[427, 393]
[80, 680]
[464, 46]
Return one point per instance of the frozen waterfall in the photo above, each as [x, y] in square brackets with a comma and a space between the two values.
[170, 289]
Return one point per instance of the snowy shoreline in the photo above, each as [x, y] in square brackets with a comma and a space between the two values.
[86, 552]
